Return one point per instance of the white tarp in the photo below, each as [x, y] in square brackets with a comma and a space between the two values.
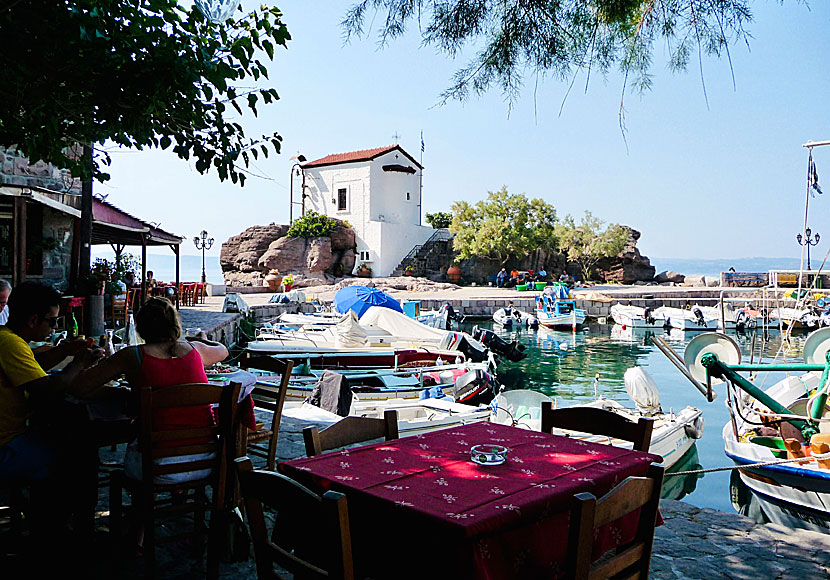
[643, 390]
[404, 328]
[348, 333]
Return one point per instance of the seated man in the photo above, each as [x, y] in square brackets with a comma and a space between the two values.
[501, 277]
[61, 471]
[541, 275]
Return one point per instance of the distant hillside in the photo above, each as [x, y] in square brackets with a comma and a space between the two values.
[715, 267]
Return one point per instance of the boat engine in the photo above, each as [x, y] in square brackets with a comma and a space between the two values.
[471, 348]
[474, 387]
[452, 315]
[698, 314]
[512, 351]
[648, 314]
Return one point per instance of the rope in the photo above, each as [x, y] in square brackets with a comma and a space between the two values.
[761, 464]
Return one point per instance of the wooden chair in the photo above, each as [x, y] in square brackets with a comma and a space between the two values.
[155, 501]
[310, 538]
[263, 441]
[598, 422]
[630, 560]
[350, 430]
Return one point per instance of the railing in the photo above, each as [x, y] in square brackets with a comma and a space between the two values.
[441, 235]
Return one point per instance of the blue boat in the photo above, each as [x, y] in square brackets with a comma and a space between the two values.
[557, 310]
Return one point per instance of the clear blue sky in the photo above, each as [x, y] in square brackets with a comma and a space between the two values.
[723, 181]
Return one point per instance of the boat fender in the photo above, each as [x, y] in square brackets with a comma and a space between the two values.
[694, 430]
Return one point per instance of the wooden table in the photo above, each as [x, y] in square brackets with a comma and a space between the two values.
[420, 508]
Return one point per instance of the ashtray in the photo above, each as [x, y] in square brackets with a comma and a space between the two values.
[488, 454]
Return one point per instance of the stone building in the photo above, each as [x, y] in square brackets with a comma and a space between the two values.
[378, 192]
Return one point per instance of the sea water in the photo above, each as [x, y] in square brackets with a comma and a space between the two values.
[563, 365]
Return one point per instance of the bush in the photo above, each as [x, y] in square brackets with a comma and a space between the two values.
[311, 225]
[439, 219]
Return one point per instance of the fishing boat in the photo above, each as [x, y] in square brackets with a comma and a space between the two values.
[509, 317]
[415, 417]
[800, 318]
[673, 434]
[637, 317]
[464, 382]
[554, 312]
[786, 421]
[692, 319]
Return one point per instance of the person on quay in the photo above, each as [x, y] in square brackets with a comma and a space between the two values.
[5, 290]
[501, 277]
[541, 275]
[40, 445]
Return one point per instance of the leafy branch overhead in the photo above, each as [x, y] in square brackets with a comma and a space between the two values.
[512, 40]
[138, 74]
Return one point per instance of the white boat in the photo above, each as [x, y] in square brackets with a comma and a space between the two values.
[672, 436]
[315, 320]
[687, 320]
[637, 317]
[558, 313]
[742, 319]
[414, 416]
[796, 317]
[509, 317]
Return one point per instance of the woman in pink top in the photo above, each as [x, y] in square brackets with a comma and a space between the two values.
[164, 360]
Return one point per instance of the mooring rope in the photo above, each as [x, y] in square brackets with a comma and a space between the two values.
[731, 467]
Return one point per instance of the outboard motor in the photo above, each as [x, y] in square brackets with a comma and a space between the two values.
[471, 348]
[512, 351]
[452, 315]
[698, 316]
[648, 315]
[474, 388]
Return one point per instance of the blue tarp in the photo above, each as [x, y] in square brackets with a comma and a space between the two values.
[361, 298]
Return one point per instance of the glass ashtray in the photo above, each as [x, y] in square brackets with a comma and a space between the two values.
[488, 454]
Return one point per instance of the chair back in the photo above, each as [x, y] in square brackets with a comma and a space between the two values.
[263, 443]
[350, 430]
[598, 422]
[630, 560]
[157, 442]
[310, 538]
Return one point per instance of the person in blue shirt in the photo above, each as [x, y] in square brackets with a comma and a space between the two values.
[541, 274]
[501, 277]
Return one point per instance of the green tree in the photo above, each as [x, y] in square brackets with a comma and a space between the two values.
[504, 225]
[586, 243]
[139, 74]
[542, 37]
[439, 219]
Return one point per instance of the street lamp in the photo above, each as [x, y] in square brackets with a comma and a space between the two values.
[809, 241]
[299, 171]
[203, 242]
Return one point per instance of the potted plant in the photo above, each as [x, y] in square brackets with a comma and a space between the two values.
[454, 273]
[409, 270]
[287, 282]
[273, 279]
[99, 274]
[364, 271]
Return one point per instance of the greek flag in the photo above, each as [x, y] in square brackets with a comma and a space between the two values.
[422, 141]
[812, 176]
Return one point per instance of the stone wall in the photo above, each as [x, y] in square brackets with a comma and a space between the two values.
[17, 170]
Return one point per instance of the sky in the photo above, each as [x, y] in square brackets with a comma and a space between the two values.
[723, 178]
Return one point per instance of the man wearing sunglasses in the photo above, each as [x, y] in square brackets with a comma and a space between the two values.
[39, 455]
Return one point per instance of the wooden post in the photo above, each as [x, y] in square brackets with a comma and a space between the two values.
[176, 249]
[85, 258]
[143, 269]
[19, 268]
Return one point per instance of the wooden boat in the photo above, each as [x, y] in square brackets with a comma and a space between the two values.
[509, 317]
[414, 416]
[673, 434]
[688, 320]
[637, 317]
[558, 313]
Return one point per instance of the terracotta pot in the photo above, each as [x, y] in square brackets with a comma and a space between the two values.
[407, 272]
[454, 273]
[287, 286]
[364, 273]
[273, 281]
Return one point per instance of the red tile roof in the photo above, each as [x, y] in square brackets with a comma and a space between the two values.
[355, 156]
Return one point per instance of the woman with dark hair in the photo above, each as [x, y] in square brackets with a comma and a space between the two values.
[166, 359]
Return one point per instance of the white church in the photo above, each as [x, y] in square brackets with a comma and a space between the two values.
[378, 191]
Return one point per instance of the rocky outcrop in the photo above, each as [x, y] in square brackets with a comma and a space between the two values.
[628, 266]
[247, 257]
[669, 276]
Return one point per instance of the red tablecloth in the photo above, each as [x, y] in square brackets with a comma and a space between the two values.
[419, 507]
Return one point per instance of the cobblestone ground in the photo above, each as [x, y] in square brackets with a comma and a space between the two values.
[693, 543]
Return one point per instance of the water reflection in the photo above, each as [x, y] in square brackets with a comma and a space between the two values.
[679, 486]
[764, 509]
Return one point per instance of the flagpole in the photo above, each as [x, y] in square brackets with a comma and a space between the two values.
[421, 183]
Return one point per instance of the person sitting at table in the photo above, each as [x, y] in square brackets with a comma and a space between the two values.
[40, 444]
[5, 290]
[151, 282]
[166, 359]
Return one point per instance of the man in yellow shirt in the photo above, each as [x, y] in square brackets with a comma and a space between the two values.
[30, 455]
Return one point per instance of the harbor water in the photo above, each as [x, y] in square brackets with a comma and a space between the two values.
[563, 365]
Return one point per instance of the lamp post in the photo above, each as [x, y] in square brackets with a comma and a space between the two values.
[300, 171]
[203, 242]
[808, 241]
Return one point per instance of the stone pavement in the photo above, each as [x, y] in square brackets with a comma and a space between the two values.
[693, 543]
